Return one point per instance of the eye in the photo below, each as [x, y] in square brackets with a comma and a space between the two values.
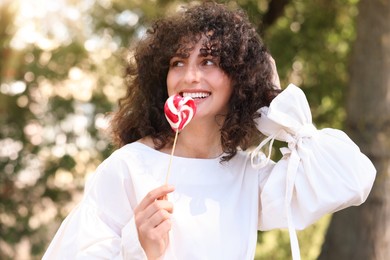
[209, 62]
[176, 63]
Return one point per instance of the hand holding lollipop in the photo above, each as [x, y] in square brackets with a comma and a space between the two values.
[179, 111]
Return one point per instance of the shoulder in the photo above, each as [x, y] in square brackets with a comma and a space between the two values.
[122, 161]
[133, 157]
[117, 170]
[241, 156]
[130, 152]
[241, 160]
[147, 140]
[118, 157]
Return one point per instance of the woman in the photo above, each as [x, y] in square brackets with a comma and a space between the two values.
[218, 194]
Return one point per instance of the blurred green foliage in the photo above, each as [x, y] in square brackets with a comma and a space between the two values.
[61, 73]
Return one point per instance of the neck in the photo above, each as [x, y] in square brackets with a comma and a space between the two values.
[199, 141]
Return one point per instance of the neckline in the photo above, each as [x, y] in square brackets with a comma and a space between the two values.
[146, 147]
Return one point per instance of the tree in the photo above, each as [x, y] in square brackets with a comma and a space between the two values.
[364, 232]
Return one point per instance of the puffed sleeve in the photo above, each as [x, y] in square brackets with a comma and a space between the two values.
[102, 226]
[322, 171]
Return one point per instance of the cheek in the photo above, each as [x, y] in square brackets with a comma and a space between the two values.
[227, 86]
[229, 91]
[170, 83]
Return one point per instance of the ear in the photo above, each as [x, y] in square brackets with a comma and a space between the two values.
[275, 75]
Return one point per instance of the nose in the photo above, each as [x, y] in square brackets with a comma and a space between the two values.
[192, 74]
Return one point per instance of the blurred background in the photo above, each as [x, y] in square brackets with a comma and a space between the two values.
[61, 67]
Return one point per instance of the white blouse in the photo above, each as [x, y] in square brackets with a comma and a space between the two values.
[218, 207]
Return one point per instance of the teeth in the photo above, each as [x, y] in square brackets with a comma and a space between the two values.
[196, 95]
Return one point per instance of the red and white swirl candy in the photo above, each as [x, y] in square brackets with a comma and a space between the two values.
[179, 111]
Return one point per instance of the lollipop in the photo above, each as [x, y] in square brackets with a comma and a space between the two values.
[179, 111]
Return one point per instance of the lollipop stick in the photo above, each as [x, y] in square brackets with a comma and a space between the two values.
[170, 159]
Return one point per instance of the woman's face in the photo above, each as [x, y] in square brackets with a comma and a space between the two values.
[202, 79]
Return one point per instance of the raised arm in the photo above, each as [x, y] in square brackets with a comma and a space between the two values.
[322, 171]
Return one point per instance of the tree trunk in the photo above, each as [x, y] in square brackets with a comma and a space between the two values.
[364, 232]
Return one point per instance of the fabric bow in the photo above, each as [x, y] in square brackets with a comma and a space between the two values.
[288, 119]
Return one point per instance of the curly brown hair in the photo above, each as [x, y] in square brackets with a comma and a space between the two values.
[242, 55]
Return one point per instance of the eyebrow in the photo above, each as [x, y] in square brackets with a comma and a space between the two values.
[186, 55]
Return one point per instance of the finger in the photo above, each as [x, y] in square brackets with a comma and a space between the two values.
[158, 236]
[151, 227]
[158, 217]
[154, 195]
[165, 197]
[156, 206]
[164, 227]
